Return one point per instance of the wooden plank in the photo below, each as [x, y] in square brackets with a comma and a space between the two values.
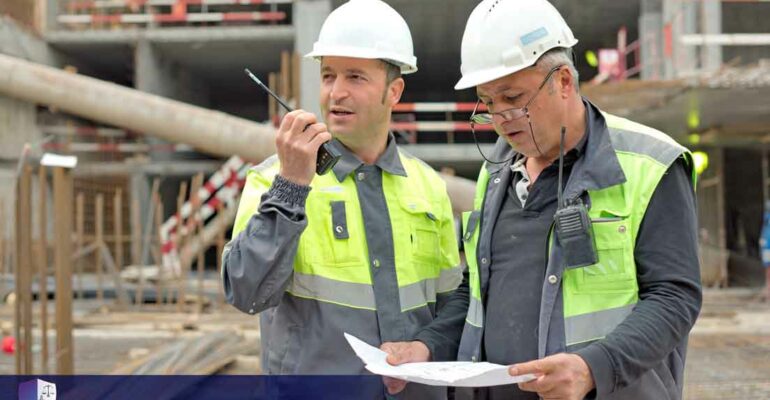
[180, 237]
[201, 249]
[272, 104]
[79, 232]
[118, 224]
[43, 266]
[296, 61]
[146, 243]
[62, 182]
[285, 76]
[99, 229]
[84, 251]
[159, 284]
[23, 272]
[17, 317]
[136, 232]
[112, 269]
[148, 226]
[180, 200]
[218, 223]
[194, 186]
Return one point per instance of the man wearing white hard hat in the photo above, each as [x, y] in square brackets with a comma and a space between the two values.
[371, 249]
[581, 250]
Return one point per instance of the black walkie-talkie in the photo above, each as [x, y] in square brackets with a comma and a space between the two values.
[573, 226]
[327, 155]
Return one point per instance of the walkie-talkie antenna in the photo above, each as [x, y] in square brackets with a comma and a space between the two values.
[327, 155]
[267, 89]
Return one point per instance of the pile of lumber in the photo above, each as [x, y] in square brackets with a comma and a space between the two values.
[204, 355]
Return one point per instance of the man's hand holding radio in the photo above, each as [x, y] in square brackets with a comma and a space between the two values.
[297, 142]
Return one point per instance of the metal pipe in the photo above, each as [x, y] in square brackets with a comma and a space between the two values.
[209, 131]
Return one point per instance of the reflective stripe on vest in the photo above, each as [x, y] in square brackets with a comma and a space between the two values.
[588, 327]
[421, 293]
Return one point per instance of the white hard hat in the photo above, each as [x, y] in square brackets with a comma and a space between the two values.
[367, 29]
[506, 36]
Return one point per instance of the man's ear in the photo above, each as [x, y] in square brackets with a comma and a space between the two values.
[566, 82]
[394, 91]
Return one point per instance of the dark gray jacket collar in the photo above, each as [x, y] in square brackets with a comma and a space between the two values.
[389, 161]
[597, 167]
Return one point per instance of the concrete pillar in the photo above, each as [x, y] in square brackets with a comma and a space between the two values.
[651, 39]
[309, 16]
[711, 23]
[17, 41]
[18, 126]
[682, 17]
[140, 192]
[158, 75]
[49, 11]
[8, 202]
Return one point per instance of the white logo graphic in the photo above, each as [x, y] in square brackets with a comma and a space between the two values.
[46, 390]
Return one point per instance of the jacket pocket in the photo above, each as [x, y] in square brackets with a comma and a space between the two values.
[331, 238]
[615, 271]
[424, 229]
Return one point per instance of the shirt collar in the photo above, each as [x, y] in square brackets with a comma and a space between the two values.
[389, 161]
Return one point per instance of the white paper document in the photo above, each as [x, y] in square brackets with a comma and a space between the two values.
[456, 373]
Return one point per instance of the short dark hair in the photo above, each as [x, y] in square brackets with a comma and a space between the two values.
[392, 72]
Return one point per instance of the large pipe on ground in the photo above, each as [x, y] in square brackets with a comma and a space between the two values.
[208, 131]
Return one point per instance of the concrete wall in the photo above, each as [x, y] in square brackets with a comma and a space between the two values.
[159, 75]
[19, 41]
[156, 74]
[17, 126]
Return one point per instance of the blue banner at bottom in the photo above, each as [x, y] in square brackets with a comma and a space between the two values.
[87, 387]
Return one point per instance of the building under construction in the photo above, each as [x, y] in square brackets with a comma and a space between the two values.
[129, 125]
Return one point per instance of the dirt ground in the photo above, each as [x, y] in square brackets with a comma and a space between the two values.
[729, 350]
[728, 356]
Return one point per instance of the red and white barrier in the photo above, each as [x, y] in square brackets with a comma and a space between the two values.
[223, 187]
[102, 4]
[170, 18]
[437, 107]
[438, 126]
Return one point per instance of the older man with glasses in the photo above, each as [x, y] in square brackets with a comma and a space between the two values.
[581, 249]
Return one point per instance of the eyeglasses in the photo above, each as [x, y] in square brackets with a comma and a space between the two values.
[511, 113]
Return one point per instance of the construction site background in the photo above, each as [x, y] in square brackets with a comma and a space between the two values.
[111, 265]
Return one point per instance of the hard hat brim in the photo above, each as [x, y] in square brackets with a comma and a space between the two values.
[487, 75]
[490, 74]
[407, 66]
